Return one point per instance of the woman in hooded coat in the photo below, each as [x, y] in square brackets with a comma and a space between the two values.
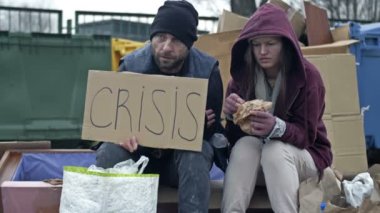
[288, 143]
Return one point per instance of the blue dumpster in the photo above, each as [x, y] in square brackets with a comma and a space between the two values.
[367, 52]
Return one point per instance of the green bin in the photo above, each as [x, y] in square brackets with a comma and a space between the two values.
[43, 79]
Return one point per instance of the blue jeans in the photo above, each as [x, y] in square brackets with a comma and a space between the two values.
[187, 170]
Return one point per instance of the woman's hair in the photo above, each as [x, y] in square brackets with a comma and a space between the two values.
[288, 62]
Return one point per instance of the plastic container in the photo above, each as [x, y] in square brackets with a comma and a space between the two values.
[367, 52]
[122, 47]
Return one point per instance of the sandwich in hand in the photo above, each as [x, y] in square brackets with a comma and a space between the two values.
[241, 117]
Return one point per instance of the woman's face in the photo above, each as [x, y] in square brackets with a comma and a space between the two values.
[267, 52]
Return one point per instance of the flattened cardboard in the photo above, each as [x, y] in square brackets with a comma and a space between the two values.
[230, 21]
[346, 134]
[337, 47]
[338, 72]
[317, 25]
[341, 43]
[219, 45]
[341, 33]
[161, 111]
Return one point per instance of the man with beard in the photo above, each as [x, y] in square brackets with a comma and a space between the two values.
[170, 53]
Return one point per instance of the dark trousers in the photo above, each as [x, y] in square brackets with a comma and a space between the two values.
[187, 170]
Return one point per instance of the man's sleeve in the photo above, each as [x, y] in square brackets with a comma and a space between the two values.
[214, 102]
[122, 65]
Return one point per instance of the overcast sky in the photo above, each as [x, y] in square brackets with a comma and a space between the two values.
[204, 7]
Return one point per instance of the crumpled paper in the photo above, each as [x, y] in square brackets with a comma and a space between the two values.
[314, 190]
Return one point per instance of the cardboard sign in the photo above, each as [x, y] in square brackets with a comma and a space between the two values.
[161, 111]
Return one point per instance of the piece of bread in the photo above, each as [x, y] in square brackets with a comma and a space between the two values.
[241, 117]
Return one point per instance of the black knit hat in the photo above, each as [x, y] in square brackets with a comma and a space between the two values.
[178, 18]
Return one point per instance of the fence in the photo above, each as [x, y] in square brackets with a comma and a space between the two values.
[133, 26]
[17, 19]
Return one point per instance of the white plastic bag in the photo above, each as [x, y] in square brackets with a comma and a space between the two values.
[124, 167]
[358, 189]
[119, 189]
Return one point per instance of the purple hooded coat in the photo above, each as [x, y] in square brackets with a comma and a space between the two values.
[304, 103]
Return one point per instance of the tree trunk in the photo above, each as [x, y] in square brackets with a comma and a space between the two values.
[243, 7]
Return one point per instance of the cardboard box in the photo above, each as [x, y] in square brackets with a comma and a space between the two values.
[346, 134]
[333, 48]
[296, 13]
[340, 45]
[5, 145]
[341, 33]
[30, 196]
[338, 72]
[34, 192]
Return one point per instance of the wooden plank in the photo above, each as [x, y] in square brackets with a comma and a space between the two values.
[6, 145]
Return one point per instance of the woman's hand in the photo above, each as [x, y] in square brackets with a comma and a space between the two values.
[231, 104]
[130, 144]
[262, 123]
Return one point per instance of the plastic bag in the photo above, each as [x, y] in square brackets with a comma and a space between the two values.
[358, 189]
[124, 167]
[119, 189]
[221, 150]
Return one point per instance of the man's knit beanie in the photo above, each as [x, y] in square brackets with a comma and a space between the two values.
[178, 18]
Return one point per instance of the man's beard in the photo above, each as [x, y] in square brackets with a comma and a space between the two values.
[169, 66]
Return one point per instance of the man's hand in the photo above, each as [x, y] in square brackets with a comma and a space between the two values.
[262, 123]
[210, 117]
[231, 104]
[130, 144]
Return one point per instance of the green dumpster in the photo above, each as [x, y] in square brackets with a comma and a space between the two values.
[43, 79]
